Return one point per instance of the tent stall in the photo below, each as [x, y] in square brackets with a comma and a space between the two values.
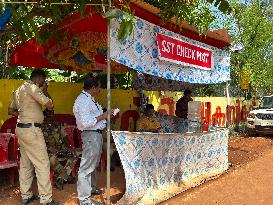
[88, 33]
[159, 166]
[156, 166]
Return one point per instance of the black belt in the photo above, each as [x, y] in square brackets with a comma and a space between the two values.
[99, 131]
[28, 125]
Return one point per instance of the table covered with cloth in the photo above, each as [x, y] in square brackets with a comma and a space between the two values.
[159, 166]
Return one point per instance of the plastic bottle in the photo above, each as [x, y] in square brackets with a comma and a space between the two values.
[205, 126]
[194, 126]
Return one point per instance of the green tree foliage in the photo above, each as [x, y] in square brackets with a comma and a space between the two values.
[252, 26]
[196, 13]
[42, 19]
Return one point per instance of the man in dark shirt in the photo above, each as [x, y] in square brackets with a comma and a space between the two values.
[182, 105]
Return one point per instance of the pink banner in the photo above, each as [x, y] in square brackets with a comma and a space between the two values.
[177, 51]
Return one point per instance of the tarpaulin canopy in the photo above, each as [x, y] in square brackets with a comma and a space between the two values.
[142, 53]
[32, 55]
[84, 48]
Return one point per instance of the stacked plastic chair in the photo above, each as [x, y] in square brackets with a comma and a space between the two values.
[9, 159]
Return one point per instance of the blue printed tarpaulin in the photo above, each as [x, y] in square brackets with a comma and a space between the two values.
[159, 166]
[140, 53]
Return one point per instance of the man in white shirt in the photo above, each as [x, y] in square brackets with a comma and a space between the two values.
[91, 121]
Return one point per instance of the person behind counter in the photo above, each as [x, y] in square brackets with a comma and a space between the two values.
[148, 122]
[182, 105]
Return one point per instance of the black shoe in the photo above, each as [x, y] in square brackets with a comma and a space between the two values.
[89, 202]
[96, 192]
[29, 200]
[51, 203]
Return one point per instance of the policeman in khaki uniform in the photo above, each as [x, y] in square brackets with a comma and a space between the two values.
[27, 104]
[62, 159]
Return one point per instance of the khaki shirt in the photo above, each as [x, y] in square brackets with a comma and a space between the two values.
[28, 100]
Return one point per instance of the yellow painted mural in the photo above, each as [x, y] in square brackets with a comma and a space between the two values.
[64, 95]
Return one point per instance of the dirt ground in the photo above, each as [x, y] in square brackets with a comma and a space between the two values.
[242, 152]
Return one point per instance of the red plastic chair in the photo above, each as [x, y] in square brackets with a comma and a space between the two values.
[103, 161]
[75, 169]
[205, 126]
[77, 138]
[9, 125]
[69, 131]
[52, 176]
[75, 142]
[74, 136]
[9, 155]
[65, 119]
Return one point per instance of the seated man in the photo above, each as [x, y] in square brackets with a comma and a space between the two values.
[148, 122]
[62, 160]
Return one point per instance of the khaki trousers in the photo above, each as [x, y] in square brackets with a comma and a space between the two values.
[34, 156]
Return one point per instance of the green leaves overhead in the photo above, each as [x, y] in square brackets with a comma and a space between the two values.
[42, 19]
[125, 30]
[195, 12]
[126, 26]
[253, 27]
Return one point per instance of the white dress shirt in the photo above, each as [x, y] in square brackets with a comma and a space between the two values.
[86, 110]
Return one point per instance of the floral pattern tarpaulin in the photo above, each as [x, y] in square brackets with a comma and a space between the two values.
[140, 53]
[86, 52]
[172, 124]
[159, 166]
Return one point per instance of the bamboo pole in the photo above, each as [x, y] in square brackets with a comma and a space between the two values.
[108, 108]
[228, 101]
[227, 91]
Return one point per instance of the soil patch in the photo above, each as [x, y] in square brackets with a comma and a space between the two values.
[242, 150]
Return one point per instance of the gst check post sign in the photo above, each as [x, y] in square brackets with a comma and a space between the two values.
[177, 51]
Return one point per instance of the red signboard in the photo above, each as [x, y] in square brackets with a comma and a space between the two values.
[177, 51]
